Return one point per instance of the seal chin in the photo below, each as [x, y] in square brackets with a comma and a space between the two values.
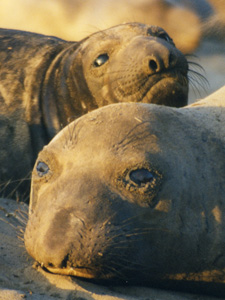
[78, 272]
[81, 272]
[167, 92]
[167, 89]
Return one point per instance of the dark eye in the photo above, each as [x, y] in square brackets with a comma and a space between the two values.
[141, 176]
[101, 59]
[42, 168]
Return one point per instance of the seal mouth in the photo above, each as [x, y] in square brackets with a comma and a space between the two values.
[82, 272]
[165, 90]
[170, 89]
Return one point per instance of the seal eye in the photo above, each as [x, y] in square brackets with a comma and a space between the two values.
[141, 176]
[42, 168]
[101, 59]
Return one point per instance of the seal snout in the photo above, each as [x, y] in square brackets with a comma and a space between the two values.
[158, 63]
[154, 71]
[89, 254]
[162, 60]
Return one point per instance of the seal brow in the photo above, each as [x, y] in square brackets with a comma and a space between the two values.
[71, 133]
[130, 136]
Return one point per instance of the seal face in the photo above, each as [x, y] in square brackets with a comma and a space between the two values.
[127, 63]
[46, 82]
[61, 80]
[118, 184]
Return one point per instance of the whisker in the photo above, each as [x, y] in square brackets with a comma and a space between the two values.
[138, 236]
[197, 65]
[22, 215]
[195, 88]
[191, 55]
[198, 83]
[115, 271]
[20, 238]
[131, 267]
[195, 79]
[199, 76]
[20, 229]
[17, 220]
[195, 76]
[14, 193]
[7, 222]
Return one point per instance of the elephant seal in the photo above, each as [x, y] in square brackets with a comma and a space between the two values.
[46, 82]
[133, 192]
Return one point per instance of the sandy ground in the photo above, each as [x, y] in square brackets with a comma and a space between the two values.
[19, 280]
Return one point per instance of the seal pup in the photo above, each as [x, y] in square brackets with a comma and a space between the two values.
[46, 82]
[133, 192]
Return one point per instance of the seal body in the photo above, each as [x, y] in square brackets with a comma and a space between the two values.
[133, 192]
[46, 82]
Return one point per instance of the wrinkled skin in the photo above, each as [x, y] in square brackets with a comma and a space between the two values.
[133, 192]
[47, 82]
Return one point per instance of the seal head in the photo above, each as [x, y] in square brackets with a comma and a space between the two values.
[127, 63]
[126, 192]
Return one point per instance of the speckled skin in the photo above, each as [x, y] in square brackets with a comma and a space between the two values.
[46, 82]
[134, 192]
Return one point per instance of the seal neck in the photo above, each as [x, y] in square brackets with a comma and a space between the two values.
[65, 94]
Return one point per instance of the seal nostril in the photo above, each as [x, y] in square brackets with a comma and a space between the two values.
[153, 65]
[65, 261]
[50, 265]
